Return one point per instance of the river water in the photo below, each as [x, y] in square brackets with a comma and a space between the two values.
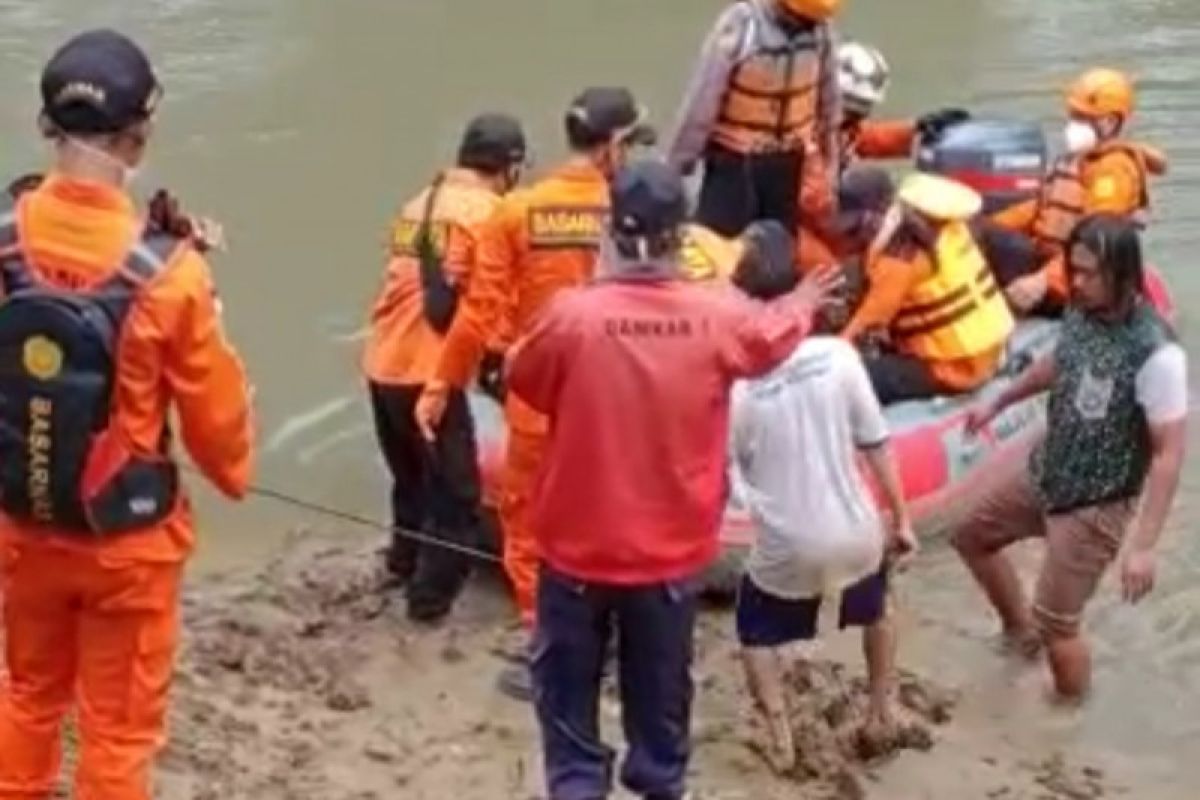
[301, 124]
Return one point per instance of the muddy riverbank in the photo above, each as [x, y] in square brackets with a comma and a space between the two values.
[304, 680]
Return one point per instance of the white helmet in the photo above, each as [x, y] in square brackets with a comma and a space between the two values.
[862, 77]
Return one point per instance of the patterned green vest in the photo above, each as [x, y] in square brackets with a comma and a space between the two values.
[1097, 445]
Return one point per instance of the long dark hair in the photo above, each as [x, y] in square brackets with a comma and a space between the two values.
[1117, 245]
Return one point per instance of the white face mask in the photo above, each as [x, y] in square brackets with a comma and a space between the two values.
[1080, 136]
[128, 174]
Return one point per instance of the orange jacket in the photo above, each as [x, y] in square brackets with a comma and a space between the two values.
[878, 139]
[893, 270]
[173, 351]
[538, 241]
[1111, 178]
[402, 347]
[815, 250]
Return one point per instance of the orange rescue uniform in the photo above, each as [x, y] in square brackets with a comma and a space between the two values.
[402, 347]
[895, 271]
[98, 616]
[540, 240]
[1111, 177]
[869, 139]
[877, 139]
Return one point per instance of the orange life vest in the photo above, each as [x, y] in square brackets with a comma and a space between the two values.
[1063, 200]
[770, 104]
[958, 311]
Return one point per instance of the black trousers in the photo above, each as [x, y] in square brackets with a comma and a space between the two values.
[435, 490]
[1012, 255]
[897, 378]
[654, 626]
[739, 189]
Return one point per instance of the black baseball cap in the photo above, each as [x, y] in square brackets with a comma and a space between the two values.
[601, 113]
[492, 142]
[99, 82]
[647, 199]
[865, 188]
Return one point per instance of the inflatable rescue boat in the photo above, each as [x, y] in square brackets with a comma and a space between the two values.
[941, 467]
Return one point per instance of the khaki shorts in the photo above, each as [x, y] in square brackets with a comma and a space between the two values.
[1080, 545]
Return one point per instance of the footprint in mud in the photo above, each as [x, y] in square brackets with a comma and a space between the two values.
[1061, 781]
[833, 744]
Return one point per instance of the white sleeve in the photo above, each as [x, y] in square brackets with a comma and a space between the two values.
[1161, 385]
[741, 443]
[742, 427]
[867, 422]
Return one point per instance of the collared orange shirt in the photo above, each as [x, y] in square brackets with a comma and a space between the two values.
[402, 347]
[539, 240]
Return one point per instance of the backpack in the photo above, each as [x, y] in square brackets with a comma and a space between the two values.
[61, 463]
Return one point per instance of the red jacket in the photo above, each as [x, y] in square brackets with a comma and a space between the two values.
[635, 377]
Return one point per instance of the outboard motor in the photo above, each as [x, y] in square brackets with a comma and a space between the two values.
[1004, 160]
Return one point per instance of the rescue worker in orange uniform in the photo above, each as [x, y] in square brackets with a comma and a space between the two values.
[539, 240]
[933, 295]
[435, 489]
[1101, 171]
[762, 112]
[95, 525]
[863, 77]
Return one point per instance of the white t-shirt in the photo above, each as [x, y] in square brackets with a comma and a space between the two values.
[1161, 385]
[795, 436]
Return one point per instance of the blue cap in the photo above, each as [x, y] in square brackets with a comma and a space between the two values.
[98, 82]
[647, 199]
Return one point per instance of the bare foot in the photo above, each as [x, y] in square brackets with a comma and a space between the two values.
[877, 735]
[781, 746]
[1065, 702]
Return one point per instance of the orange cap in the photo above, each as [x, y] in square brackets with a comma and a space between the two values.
[812, 9]
[1099, 92]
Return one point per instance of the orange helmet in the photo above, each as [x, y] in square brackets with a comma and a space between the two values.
[1100, 92]
[811, 9]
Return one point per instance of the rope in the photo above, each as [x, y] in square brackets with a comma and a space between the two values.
[357, 519]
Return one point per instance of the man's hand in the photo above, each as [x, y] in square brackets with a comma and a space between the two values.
[1027, 291]
[430, 408]
[1138, 571]
[820, 288]
[979, 417]
[164, 215]
[901, 543]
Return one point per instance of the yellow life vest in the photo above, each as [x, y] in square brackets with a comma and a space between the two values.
[771, 101]
[708, 256]
[1063, 200]
[958, 311]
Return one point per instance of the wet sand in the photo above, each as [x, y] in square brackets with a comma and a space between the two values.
[305, 680]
